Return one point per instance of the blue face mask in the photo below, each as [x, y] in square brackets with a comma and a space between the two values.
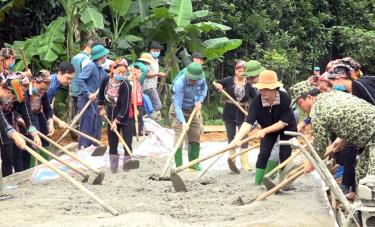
[35, 91]
[118, 77]
[11, 66]
[155, 54]
[339, 87]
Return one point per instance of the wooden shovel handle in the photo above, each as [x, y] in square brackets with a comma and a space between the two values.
[222, 91]
[80, 172]
[119, 136]
[279, 186]
[244, 151]
[178, 144]
[73, 181]
[84, 135]
[213, 154]
[71, 154]
[76, 118]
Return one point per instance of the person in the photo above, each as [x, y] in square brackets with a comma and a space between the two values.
[143, 62]
[42, 113]
[316, 71]
[89, 82]
[63, 77]
[150, 84]
[115, 92]
[198, 57]
[238, 88]
[272, 110]
[189, 91]
[77, 61]
[135, 74]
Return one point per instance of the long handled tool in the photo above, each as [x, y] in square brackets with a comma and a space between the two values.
[130, 164]
[76, 118]
[23, 55]
[97, 180]
[135, 112]
[281, 185]
[267, 181]
[73, 181]
[222, 91]
[209, 166]
[177, 181]
[100, 150]
[178, 144]
[231, 162]
[80, 172]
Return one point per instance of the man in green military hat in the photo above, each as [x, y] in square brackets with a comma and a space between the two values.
[189, 91]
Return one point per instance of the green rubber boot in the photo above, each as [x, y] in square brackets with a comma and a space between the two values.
[259, 174]
[178, 157]
[33, 160]
[193, 154]
[270, 166]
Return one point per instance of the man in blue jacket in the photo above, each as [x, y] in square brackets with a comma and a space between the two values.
[189, 91]
[89, 81]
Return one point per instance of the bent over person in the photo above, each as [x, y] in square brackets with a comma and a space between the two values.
[271, 109]
[189, 91]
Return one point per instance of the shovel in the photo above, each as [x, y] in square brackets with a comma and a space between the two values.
[99, 151]
[73, 181]
[76, 118]
[177, 145]
[130, 164]
[267, 181]
[177, 181]
[97, 180]
[222, 91]
[232, 164]
[84, 175]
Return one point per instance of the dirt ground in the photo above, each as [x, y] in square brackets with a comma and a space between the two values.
[142, 201]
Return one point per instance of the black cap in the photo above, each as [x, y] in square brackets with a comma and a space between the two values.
[155, 45]
[198, 55]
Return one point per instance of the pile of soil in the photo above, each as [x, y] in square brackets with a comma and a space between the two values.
[141, 201]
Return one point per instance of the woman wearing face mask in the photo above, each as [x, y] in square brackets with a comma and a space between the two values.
[238, 88]
[115, 92]
[7, 62]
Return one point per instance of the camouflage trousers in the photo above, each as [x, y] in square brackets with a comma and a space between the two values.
[366, 162]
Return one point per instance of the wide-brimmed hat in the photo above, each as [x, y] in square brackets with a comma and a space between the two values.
[253, 68]
[268, 80]
[146, 57]
[194, 71]
[98, 51]
[299, 89]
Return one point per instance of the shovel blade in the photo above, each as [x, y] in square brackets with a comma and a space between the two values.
[268, 183]
[232, 166]
[99, 151]
[85, 179]
[131, 164]
[99, 179]
[178, 183]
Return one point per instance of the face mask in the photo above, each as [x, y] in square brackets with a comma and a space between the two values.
[118, 77]
[11, 66]
[339, 87]
[155, 54]
[35, 91]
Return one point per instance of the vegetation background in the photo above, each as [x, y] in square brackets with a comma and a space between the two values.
[290, 37]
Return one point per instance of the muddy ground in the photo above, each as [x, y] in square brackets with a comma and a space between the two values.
[141, 201]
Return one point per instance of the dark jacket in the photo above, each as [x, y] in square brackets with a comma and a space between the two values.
[364, 88]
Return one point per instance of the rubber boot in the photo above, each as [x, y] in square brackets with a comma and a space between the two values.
[270, 166]
[193, 154]
[259, 174]
[178, 157]
[113, 161]
[245, 161]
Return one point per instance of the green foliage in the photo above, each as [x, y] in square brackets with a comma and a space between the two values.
[182, 11]
[215, 48]
[92, 18]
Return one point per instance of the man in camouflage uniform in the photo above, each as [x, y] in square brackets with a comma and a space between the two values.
[350, 118]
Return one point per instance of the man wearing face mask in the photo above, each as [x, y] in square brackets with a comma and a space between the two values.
[115, 92]
[151, 82]
[89, 81]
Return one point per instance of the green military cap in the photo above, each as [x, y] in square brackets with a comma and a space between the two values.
[299, 89]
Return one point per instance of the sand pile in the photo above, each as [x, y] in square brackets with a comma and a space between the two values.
[142, 201]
